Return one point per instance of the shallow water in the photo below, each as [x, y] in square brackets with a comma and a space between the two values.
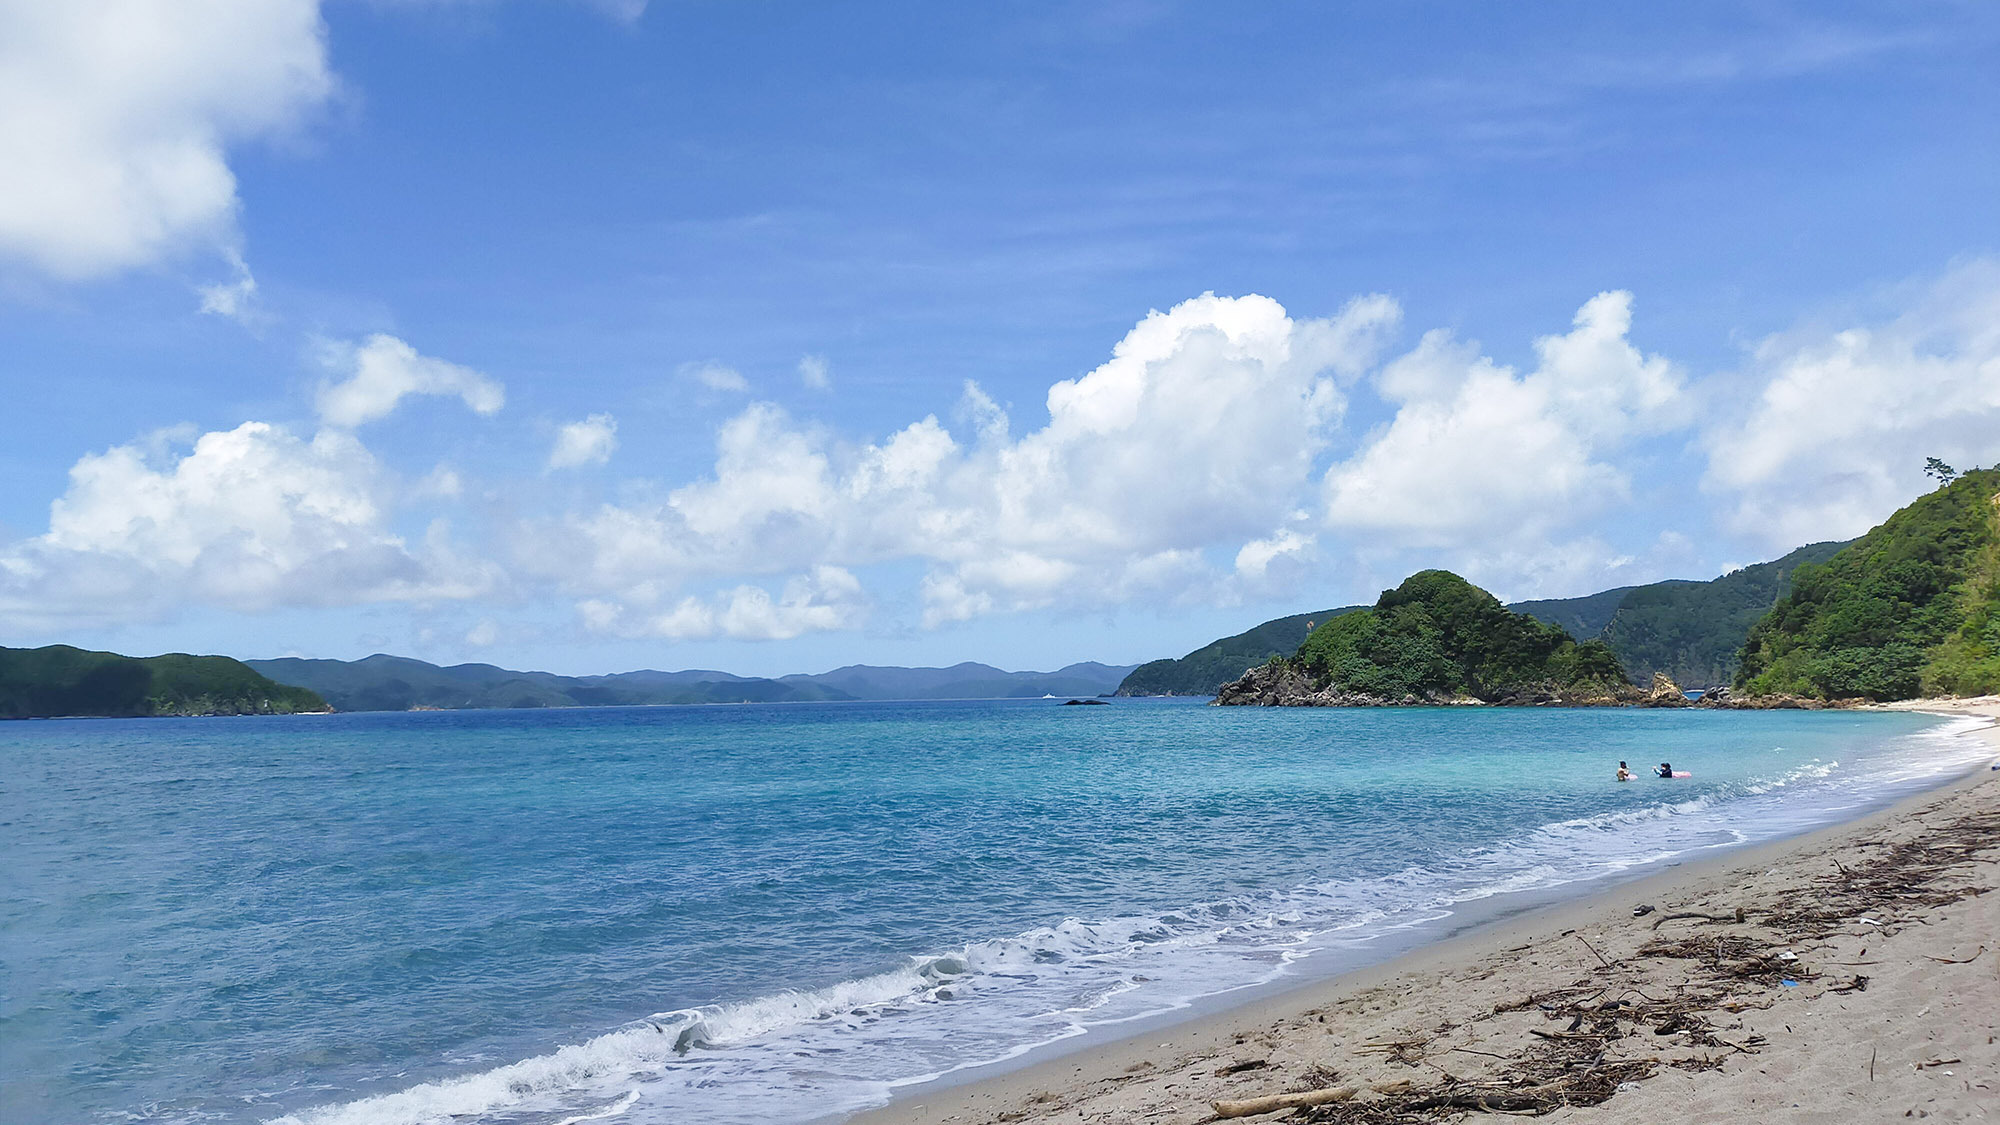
[770, 913]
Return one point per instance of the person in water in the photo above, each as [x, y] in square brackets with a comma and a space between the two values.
[1623, 773]
[1666, 769]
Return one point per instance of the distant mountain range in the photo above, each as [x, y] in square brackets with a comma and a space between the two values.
[397, 683]
[1690, 630]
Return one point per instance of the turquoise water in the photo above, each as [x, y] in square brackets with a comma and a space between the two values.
[772, 913]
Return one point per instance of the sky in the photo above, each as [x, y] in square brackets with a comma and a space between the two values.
[589, 336]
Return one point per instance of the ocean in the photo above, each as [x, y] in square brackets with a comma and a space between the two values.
[784, 913]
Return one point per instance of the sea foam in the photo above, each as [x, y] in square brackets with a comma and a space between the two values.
[821, 1053]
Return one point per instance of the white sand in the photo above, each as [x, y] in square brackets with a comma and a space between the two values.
[1932, 997]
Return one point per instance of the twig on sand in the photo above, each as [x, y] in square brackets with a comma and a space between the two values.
[1704, 916]
[1967, 961]
[1593, 951]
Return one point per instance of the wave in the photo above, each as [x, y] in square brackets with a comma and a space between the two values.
[800, 1055]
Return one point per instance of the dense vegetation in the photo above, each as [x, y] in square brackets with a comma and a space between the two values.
[1587, 616]
[1694, 631]
[1908, 609]
[61, 680]
[396, 683]
[1216, 663]
[1691, 631]
[1437, 635]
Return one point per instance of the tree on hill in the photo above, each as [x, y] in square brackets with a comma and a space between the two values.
[1911, 608]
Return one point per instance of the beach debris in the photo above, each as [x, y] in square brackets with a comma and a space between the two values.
[1593, 950]
[1272, 1103]
[1240, 1067]
[1641, 911]
[1703, 915]
[1408, 1052]
[1579, 1057]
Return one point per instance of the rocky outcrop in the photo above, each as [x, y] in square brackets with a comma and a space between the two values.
[1665, 693]
[1723, 699]
[1282, 683]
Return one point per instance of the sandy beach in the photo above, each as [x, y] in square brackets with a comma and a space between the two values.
[1852, 974]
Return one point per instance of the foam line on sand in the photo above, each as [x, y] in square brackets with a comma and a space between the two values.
[1859, 982]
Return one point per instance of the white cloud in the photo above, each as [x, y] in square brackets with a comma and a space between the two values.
[589, 442]
[1201, 431]
[247, 519]
[1837, 435]
[716, 377]
[1476, 453]
[230, 298]
[827, 598]
[384, 369]
[815, 373]
[1197, 463]
[1276, 565]
[484, 634]
[441, 483]
[115, 118]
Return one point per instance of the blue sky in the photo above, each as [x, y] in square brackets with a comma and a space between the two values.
[775, 337]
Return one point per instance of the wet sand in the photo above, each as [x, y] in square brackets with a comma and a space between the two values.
[1587, 1011]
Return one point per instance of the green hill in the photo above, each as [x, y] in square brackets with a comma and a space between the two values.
[1911, 608]
[1587, 616]
[1689, 630]
[1434, 638]
[1216, 663]
[60, 680]
[1694, 631]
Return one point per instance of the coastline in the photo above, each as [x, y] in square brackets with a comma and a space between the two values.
[1441, 1019]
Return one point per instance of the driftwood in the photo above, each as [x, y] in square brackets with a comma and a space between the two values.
[1272, 1103]
[1703, 915]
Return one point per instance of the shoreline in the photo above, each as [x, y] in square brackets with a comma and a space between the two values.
[1330, 1032]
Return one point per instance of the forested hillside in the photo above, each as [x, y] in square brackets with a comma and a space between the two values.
[1911, 608]
[1693, 631]
[60, 680]
[1216, 663]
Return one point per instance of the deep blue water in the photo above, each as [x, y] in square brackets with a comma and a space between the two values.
[757, 913]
